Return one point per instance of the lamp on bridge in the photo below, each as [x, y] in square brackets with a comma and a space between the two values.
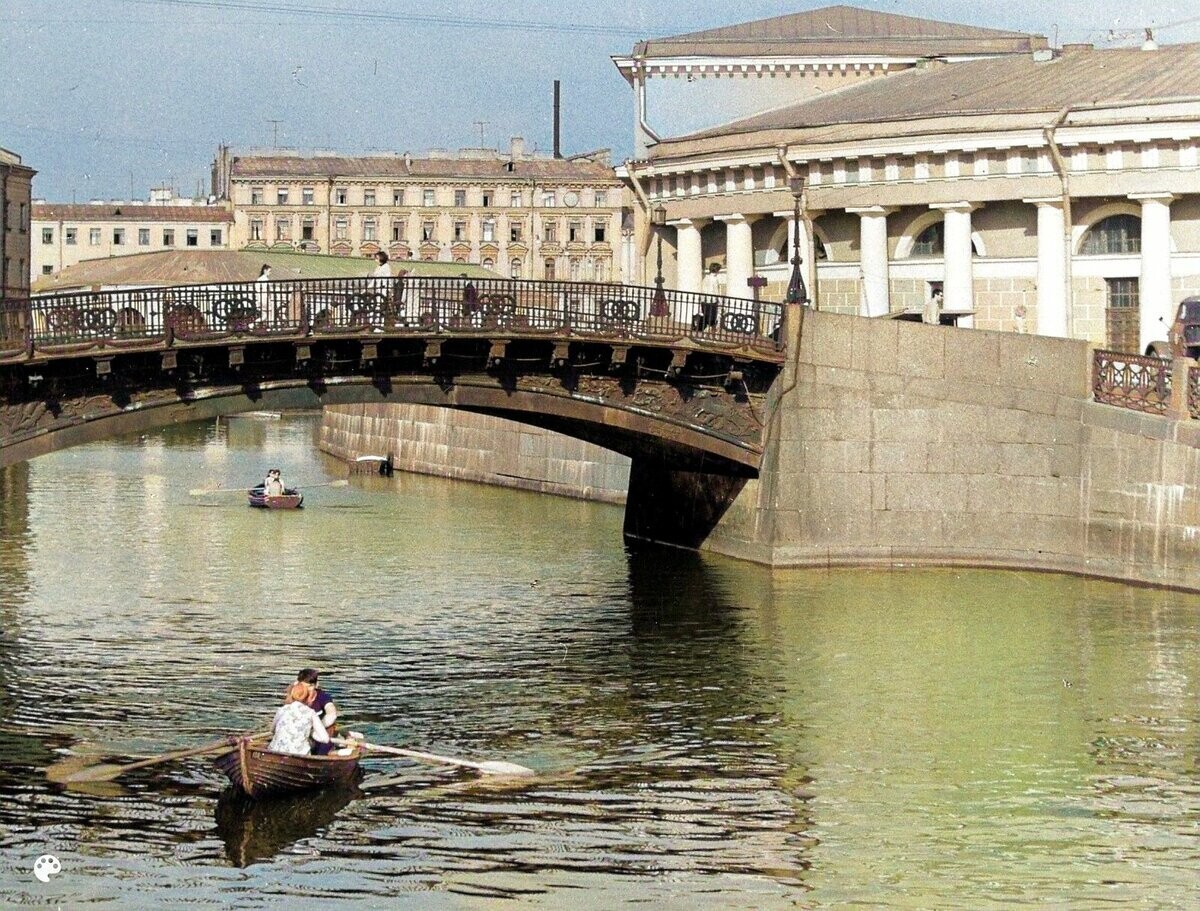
[659, 305]
[796, 292]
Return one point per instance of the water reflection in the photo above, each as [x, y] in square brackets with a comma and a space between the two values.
[708, 733]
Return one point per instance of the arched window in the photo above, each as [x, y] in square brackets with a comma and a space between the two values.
[931, 241]
[1113, 235]
[514, 269]
[489, 263]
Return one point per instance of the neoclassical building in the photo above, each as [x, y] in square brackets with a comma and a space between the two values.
[520, 214]
[1030, 189]
[16, 183]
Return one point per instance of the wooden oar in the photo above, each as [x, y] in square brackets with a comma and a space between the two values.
[490, 767]
[200, 491]
[112, 771]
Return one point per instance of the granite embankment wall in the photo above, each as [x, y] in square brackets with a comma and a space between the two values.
[902, 443]
[475, 447]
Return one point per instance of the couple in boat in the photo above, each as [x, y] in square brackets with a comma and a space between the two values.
[306, 720]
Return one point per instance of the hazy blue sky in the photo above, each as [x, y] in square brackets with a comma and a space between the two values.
[94, 93]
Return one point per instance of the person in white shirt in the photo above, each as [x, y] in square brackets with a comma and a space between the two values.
[384, 269]
[263, 292]
[296, 725]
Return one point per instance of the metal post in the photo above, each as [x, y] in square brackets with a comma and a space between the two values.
[659, 307]
[796, 292]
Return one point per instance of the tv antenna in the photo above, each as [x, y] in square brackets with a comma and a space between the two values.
[275, 124]
[482, 124]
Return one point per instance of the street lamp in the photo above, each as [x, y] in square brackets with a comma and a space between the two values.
[659, 308]
[796, 292]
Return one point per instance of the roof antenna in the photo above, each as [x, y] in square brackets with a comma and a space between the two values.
[1054, 40]
[1149, 44]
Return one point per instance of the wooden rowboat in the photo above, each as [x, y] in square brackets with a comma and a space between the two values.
[258, 772]
[291, 499]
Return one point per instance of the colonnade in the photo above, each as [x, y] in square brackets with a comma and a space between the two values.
[1053, 249]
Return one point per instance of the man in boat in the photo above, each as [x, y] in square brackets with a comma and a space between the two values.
[321, 703]
[296, 725]
[273, 486]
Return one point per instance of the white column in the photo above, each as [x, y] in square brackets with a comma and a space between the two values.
[690, 262]
[958, 279]
[1154, 288]
[1051, 268]
[873, 258]
[739, 255]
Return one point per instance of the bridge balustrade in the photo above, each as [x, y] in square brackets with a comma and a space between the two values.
[400, 306]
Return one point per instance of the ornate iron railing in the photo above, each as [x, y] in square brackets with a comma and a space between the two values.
[1132, 381]
[392, 306]
[1193, 392]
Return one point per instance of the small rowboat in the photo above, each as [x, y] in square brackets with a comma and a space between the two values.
[258, 772]
[291, 499]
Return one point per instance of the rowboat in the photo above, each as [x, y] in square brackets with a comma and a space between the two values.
[290, 499]
[258, 772]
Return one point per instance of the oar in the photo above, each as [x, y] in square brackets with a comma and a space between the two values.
[200, 491]
[491, 767]
[112, 771]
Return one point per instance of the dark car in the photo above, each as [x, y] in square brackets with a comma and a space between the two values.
[1183, 338]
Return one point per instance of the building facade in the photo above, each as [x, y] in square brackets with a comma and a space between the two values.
[66, 234]
[16, 192]
[518, 214]
[1038, 190]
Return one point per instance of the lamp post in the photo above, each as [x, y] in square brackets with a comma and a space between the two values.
[796, 292]
[659, 307]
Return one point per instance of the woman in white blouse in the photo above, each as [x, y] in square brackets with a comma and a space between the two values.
[296, 725]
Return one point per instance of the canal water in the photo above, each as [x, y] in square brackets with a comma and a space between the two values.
[707, 734]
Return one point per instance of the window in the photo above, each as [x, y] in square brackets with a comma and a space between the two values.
[427, 198]
[256, 230]
[1114, 235]
[341, 196]
[930, 241]
[283, 230]
[515, 199]
[118, 237]
[369, 229]
[397, 230]
[427, 230]
[308, 228]
[214, 237]
[487, 199]
[341, 228]
[368, 197]
[514, 232]
[281, 197]
[514, 269]
[550, 232]
[256, 196]
[47, 235]
[71, 235]
[548, 200]
[574, 232]
[601, 199]
[143, 237]
[193, 234]
[460, 198]
[306, 196]
[599, 232]
[460, 231]
[398, 197]
[94, 237]
[1122, 314]
[47, 270]
[255, 233]
[574, 266]
[489, 230]
[549, 264]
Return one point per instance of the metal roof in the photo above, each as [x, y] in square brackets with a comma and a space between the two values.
[369, 167]
[834, 30]
[85, 212]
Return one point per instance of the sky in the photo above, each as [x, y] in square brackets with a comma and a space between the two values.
[106, 98]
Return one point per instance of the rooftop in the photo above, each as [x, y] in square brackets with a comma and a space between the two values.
[193, 267]
[392, 166]
[1008, 90]
[840, 30]
[84, 212]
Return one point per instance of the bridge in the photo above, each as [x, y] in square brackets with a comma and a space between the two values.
[659, 375]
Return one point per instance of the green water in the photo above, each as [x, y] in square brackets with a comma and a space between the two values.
[707, 734]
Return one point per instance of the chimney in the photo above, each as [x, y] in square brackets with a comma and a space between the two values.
[407, 162]
[557, 119]
[1149, 44]
[516, 148]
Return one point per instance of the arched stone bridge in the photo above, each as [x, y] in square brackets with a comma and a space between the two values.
[680, 379]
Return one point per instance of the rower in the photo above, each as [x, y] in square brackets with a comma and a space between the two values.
[273, 486]
[321, 703]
